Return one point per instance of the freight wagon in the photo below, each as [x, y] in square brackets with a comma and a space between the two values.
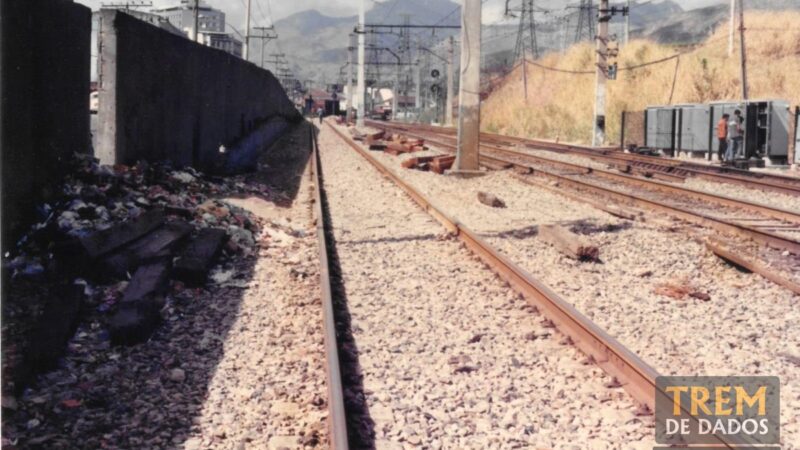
[690, 129]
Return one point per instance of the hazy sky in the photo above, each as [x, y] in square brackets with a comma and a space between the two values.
[263, 10]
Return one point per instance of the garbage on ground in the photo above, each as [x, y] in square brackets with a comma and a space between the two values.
[128, 238]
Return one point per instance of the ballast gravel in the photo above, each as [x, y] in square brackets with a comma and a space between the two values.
[773, 199]
[448, 356]
[747, 327]
[268, 390]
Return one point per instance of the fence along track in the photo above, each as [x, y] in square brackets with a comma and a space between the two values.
[337, 419]
[634, 375]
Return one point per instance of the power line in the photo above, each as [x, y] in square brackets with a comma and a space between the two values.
[627, 68]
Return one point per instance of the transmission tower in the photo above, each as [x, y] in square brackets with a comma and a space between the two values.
[404, 81]
[585, 29]
[526, 33]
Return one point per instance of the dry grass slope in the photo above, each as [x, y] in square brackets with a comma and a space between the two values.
[560, 105]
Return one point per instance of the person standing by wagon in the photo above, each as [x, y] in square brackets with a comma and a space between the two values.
[722, 135]
[734, 135]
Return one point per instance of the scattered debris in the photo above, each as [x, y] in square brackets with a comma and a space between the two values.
[569, 243]
[193, 264]
[103, 249]
[679, 290]
[490, 200]
[587, 227]
[442, 163]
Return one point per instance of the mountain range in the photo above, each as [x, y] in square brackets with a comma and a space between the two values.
[316, 44]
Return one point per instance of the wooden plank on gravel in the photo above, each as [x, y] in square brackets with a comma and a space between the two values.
[375, 137]
[394, 148]
[102, 242]
[415, 162]
[196, 260]
[128, 258]
[139, 311]
[442, 163]
[569, 243]
[721, 250]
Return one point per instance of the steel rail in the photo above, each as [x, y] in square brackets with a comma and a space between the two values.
[761, 236]
[769, 182]
[337, 419]
[634, 375]
[776, 213]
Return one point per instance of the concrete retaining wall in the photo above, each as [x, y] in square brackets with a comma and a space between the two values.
[45, 101]
[163, 97]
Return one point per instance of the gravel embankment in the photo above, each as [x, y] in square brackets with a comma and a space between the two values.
[746, 328]
[236, 364]
[269, 390]
[450, 357]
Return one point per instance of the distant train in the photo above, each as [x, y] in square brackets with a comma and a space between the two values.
[690, 129]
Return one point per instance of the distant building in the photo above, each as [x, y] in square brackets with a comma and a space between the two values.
[182, 16]
[222, 41]
[153, 19]
[210, 25]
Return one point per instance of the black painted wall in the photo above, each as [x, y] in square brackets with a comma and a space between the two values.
[164, 97]
[44, 61]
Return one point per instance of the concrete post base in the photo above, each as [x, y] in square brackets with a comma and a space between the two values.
[466, 173]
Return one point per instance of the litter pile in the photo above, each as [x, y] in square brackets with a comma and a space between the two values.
[117, 243]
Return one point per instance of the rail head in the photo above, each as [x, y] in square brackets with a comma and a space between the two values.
[337, 419]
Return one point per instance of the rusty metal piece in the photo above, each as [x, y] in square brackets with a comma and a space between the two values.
[337, 420]
[442, 163]
[720, 249]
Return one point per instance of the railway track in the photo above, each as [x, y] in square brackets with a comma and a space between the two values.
[337, 420]
[775, 227]
[656, 166]
[631, 372]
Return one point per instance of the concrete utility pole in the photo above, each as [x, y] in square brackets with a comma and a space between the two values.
[743, 51]
[525, 76]
[603, 17]
[349, 103]
[732, 27]
[246, 52]
[418, 81]
[265, 37]
[448, 107]
[469, 98]
[628, 23]
[361, 78]
[196, 19]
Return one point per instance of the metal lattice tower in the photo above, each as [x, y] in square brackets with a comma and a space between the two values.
[526, 34]
[405, 56]
[373, 76]
[585, 28]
